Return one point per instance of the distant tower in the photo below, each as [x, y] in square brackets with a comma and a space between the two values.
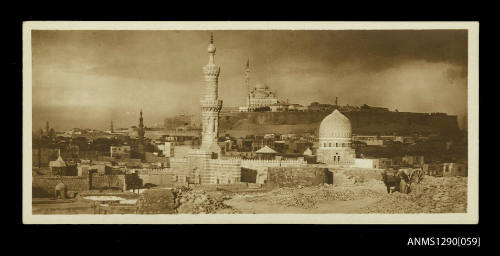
[247, 81]
[140, 132]
[112, 129]
[210, 103]
[336, 101]
[47, 128]
[141, 127]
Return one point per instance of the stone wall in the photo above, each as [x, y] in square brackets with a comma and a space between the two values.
[226, 171]
[294, 176]
[248, 175]
[157, 179]
[109, 181]
[45, 186]
[261, 166]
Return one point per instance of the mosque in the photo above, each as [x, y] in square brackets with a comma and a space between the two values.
[206, 165]
[259, 96]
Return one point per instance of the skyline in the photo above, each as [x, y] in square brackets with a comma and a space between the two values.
[93, 77]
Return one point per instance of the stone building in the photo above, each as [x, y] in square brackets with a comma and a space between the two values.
[454, 169]
[335, 140]
[261, 96]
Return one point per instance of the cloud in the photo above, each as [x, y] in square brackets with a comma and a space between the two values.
[114, 72]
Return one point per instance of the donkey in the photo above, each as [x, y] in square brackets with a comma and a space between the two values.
[399, 180]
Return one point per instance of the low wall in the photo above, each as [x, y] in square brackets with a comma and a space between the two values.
[294, 176]
[45, 186]
[157, 179]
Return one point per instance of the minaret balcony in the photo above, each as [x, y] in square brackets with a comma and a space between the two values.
[211, 70]
[211, 103]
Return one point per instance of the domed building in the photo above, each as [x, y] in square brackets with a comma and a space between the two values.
[335, 140]
[261, 96]
[257, 96]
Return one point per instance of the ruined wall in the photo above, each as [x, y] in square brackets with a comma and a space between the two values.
[294, 176]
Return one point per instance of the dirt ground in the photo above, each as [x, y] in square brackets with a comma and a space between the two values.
[354, 195]
[432, 195]
[242, 205]
[67, 206]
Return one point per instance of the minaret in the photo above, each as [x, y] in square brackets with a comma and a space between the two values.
[112, 129]
[247, 82]
[140, 132]
[210, 103]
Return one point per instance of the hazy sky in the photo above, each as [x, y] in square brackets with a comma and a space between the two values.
[88, 78]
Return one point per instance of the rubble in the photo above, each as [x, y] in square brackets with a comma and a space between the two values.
[156, 201]
[309, 197]
[191, 201]
[432, 195]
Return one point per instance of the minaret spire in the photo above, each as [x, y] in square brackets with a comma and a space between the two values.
[210, 103]
[141, 126]
[247, 81]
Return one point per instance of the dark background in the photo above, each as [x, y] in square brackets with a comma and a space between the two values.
[216, 239]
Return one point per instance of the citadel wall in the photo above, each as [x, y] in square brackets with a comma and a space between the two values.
[363, 122]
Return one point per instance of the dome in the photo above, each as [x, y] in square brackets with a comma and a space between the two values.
[57, 163]
[335, 125]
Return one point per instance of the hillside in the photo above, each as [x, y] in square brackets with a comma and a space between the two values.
[402, 123]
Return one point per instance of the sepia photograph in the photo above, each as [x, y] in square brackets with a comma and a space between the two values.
[250, 122]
